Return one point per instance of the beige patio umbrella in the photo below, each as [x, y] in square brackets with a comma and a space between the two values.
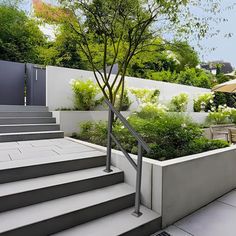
[227, 87]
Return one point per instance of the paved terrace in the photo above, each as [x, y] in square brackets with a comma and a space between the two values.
[12, 151]
[216, 219]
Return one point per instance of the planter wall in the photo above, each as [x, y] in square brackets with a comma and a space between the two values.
[70, 120]
[59, 93]
[178, 187]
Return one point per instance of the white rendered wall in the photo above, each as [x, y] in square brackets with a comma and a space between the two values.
[59, 93]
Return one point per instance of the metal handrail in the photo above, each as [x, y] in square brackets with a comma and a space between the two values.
[141, 145]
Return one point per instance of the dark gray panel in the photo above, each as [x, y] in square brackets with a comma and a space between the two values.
[12, 81]
[36, 85]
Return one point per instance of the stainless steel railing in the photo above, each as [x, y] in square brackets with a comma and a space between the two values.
[141, 145]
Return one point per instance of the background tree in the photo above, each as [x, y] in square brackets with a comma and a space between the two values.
[124, 28]
[20, 36]
[63, 51]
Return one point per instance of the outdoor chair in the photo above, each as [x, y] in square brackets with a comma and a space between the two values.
[232, 135]
[221, 131]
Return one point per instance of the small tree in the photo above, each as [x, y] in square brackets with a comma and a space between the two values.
[120, 29]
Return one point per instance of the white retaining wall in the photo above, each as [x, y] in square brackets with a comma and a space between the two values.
[59, 93]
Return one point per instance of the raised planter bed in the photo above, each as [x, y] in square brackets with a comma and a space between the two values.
[178, 187]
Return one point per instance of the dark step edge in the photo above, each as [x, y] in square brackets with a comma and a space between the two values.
[46, 169]
[6, 137]
[69, 220]
[10, 202]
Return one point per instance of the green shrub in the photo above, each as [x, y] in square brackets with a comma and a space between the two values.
[165, 76]
[179, 103]
[203, 144]
[168, 135]
[85, 95]
[195, 77]
[146, 95]
[151, 111]
[206, 100]
[217, 118]
[126, 102]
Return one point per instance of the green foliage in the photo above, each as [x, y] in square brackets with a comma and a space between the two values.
[205, 100]
[63, 51]
[224, 98]
[217, 118]
[165, 76]
[20, 37]
[85, 94]
[146, 95]
[126, 102]
[169, 136]
[152, 111]
[195, 77]
[203, 144]
[179, 103]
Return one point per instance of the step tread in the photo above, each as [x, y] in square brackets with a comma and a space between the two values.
[50, 159]
[36, 132]
[20, 125]
[53, 180]
[14, 219]
[112, 225]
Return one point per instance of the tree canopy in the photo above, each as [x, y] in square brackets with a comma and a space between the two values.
[20, 36]
[115, 31]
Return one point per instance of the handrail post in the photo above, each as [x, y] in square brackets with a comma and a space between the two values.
[109, 140]
[138, 182]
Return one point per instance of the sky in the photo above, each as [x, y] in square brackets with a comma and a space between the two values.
[225, 48]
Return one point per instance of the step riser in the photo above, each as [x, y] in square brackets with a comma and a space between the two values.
[145, 230]
[25, 114]
[63, 222]
[25, 137]
[22, 173]
[11, 121]
[40, 195]
[15, 108]
[28, 128]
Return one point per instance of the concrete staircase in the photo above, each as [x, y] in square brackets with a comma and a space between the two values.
[69, 196]
[18, 123]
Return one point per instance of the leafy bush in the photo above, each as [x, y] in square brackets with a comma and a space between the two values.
[224, 98]
[151, 110]
[217, 118]
[126, 102]
[165, 76]
[146, 95]
[223, 115]
[85, 94]
[195, 77]
[205, 100]
[179, 103]
[169, 136]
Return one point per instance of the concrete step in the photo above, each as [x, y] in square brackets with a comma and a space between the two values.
[26, 120]
[23, 136]
[119, 223]
[18, 108]
[31, 191]
[16, 128]
[37, 167]
[57, 215]
[25, 114]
